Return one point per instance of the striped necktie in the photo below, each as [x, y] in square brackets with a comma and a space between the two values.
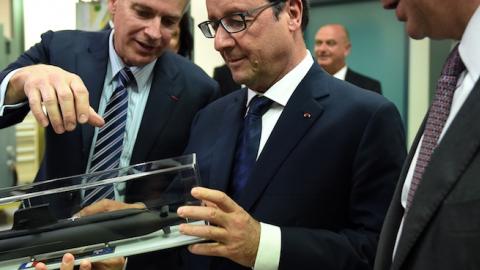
[109, 143]
[437, 117]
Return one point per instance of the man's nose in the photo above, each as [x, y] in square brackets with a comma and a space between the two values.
[323, 47]
[153, 28]
[223, 39]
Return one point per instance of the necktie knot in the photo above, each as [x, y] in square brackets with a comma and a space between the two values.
[454, 65]
[125, 77]
[259, 105]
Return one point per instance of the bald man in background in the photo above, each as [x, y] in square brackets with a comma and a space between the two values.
[332, 46]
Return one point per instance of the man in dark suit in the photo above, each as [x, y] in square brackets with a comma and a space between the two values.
[328, 153]
[332, 46]
[433, 220]
[68, 72]
[72, 73]
[223, 76]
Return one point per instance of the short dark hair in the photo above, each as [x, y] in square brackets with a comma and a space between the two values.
[305, 16]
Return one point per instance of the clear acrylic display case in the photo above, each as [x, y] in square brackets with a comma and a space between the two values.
[45, 221]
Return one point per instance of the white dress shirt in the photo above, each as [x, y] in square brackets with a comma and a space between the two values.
[268, 255]
[341, 74]
[3, 92]
[470, 55]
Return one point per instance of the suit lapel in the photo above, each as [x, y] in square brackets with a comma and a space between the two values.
[91, 66]
[164, 94]
[447, 164]
[224, 150]
[298, 116]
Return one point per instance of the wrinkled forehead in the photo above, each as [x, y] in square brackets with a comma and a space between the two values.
[179, 7]
[220, 8]
[162, 7]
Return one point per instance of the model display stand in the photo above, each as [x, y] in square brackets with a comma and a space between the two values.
[47, 223]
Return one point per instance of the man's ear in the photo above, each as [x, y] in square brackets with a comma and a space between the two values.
[112, 7]
[294, 10]
[348, 49]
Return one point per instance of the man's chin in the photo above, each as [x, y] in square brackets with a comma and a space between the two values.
[416, 37]
[415, 33]
[324, 63]
[239, 77]
[140, 60]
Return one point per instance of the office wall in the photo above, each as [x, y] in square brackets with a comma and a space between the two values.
[7, 135]
[92, 16]
[379, 44]
[43, 15]
[5, 17]
[5, 30]
[31, 19]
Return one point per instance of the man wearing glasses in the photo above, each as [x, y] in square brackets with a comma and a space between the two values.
[300, 167]
[314, 192]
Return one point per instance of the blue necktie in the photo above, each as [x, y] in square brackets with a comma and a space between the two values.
[248, 143]
[109, 143]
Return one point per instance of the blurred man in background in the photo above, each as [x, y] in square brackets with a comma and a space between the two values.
[332, 46]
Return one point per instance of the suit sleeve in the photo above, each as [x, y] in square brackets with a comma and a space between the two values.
[377, 164]
[38, 54]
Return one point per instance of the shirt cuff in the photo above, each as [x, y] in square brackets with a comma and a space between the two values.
[3, 92]
[125, 265]
[268, 255]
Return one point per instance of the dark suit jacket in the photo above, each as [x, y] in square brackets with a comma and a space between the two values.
[223, 76]
[326, 180]
[179, 89]
[363, 81]
[442, 228]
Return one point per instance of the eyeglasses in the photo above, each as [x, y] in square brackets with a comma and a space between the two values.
[233, 23]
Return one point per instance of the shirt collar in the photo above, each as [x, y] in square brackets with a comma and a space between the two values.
[141, 74]
[341, 74]
[282, 90]
[469, 45]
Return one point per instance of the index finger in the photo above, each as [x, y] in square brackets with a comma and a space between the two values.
[94, 119]
[82, 103]
[220, 199]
